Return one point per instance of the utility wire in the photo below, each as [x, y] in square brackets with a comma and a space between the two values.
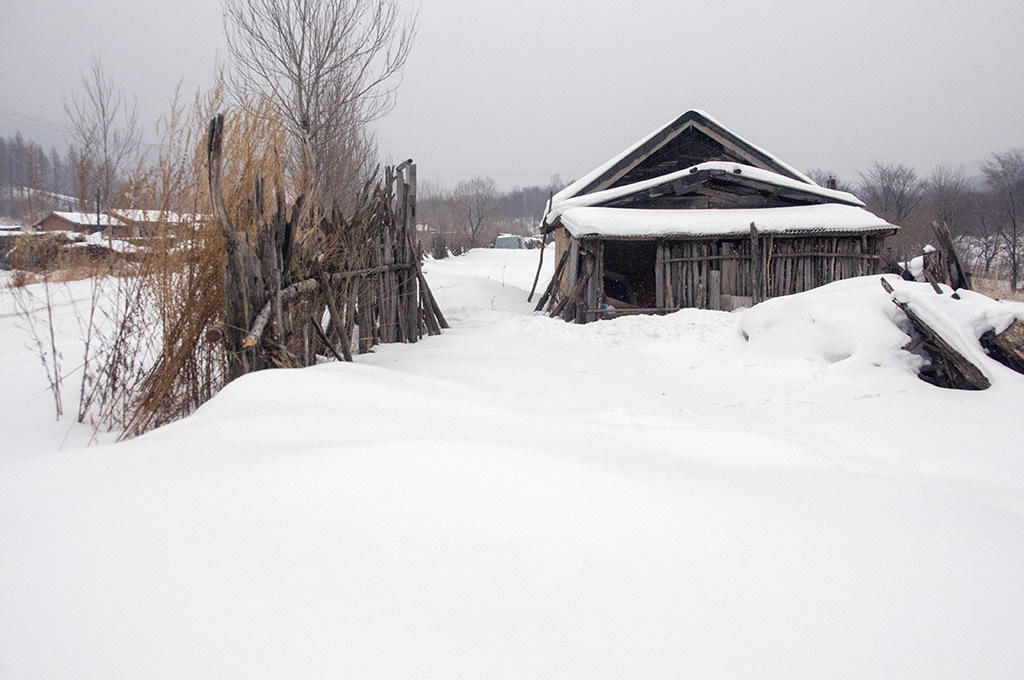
[39, 121]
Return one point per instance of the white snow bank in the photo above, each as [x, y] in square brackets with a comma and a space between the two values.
[271, 536]
[850, 321]
[854, 322]
[520, 497]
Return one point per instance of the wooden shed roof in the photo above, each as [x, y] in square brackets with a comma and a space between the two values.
[687, 172]
[733, 185]
[691, 139]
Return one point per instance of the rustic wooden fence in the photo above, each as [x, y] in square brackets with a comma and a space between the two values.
[346, 285]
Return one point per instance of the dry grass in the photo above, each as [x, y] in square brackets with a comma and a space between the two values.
[997, 290]
[151, 325]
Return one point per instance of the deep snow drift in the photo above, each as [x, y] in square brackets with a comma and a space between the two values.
[769, 493]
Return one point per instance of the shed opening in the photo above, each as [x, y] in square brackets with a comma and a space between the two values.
[629, 273]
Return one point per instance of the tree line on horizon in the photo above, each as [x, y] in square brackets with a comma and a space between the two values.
[985, 208]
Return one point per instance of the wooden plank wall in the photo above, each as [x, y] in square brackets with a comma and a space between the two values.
[692, 273]
[790, 265]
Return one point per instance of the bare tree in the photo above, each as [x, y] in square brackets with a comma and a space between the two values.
[476, 202]
[328, 66]
[106, 135]
[985, 215]
[1005, 176]
[892, 190]
[948, 196]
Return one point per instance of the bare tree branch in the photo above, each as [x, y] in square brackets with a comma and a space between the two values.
[105, 133]
[329, 67]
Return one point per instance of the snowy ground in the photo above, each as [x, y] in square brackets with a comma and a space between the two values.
[771, 493]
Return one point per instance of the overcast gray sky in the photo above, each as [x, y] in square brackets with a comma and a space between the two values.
[523, 89]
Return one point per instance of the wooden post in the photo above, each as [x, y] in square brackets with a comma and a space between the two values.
[540, 264]
[337, 319]
[756, 265]
[591, 301]
[411, 209]
[715, 290]
[573, 264]
[671, 274]
[243, 283]
[659, 275]
[553, 284]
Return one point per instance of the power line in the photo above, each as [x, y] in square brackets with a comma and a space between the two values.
[30, 119]
[39, 121]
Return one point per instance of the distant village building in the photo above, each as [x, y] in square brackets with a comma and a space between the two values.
[82, 223]
[149, 223]
[120, 223]
[695, 216]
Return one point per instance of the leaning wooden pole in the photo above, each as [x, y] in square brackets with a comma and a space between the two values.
[240, 269]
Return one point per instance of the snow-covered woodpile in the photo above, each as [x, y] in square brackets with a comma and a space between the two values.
[695, 216]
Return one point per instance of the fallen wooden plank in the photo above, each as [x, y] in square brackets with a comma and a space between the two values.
[952, 369]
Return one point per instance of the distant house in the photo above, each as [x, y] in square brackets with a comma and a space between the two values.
[82, 223]
[695, 216]
[146, 223]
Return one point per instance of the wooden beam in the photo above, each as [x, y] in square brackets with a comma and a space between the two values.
[954, 369]
[715, 290]
[659, 275]
[1007, 347]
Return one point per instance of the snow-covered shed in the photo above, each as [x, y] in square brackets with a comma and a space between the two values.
[695, 216]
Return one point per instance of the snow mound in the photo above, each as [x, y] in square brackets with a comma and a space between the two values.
[855, 323]
[852, 321]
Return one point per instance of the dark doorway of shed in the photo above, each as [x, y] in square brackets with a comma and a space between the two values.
[629, 274]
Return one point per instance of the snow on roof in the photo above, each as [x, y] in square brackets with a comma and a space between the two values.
[587, 179]
[88, 219]
[633, 222]
[598, 197]
[138, 215]
[117, 245]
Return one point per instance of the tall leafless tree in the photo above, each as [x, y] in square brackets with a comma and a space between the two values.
[1005, 176]
[892, 190]
[476, 202]
[329, 67]
[948, 196]
[105, 133]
